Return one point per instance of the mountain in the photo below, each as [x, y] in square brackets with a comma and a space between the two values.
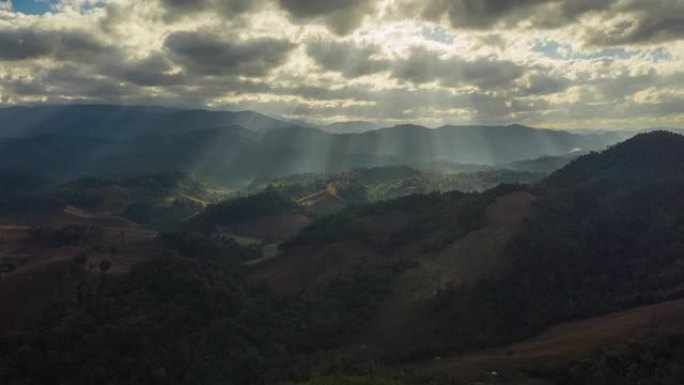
[233, 148]
[353, 127]
[604, 234]
[112, 121]
[478, 144]
[642, 158]
[65, 157]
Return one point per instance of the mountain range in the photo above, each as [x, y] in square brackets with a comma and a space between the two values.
[236, 147]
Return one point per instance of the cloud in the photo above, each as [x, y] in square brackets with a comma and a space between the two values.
[619, 22]
[175, 9]
[424, 66]
[347, 58]
[5, 5]
[472, 13]
[539, 83]
[481, 14]
[153, 70]
[420, 66]
[636, 22]
[209, 54]
[30, 43]
[340, 16]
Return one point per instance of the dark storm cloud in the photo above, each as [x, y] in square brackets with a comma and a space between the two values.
[421, 66]
[624, 86]
[341, 16]
[652, 21]
[475, 13]
[643, 28]
[485, 13]
[180, 8]
[347, 58]
[154, 70]
[29, 43]
[206, 54]
[544, 84]
[424, 66]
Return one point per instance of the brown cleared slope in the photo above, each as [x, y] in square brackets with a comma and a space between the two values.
[563, 341]
[75, 214]
[306, 265]
[43, 273]
[404, 316]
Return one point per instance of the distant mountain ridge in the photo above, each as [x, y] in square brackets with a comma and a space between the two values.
[112, 121]
[236, 147]
[351, 127]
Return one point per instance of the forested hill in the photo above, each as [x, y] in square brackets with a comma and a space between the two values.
[644, 157]
[605, 234]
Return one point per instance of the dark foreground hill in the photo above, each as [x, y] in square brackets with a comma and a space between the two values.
[603, 234]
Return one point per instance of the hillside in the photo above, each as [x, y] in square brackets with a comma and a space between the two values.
[645, 157]
[265, 216]
[382, 183]
[586, 248]
[546, 355]
[604, 234]
[544, 165]
[160, 201]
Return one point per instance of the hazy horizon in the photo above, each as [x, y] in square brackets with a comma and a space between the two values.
[377, 123]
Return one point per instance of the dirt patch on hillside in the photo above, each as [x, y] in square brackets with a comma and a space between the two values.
[404, 316]
[75, 214]
[322, 202]
[564, 340]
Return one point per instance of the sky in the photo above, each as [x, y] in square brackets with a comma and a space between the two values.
[596, 64]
